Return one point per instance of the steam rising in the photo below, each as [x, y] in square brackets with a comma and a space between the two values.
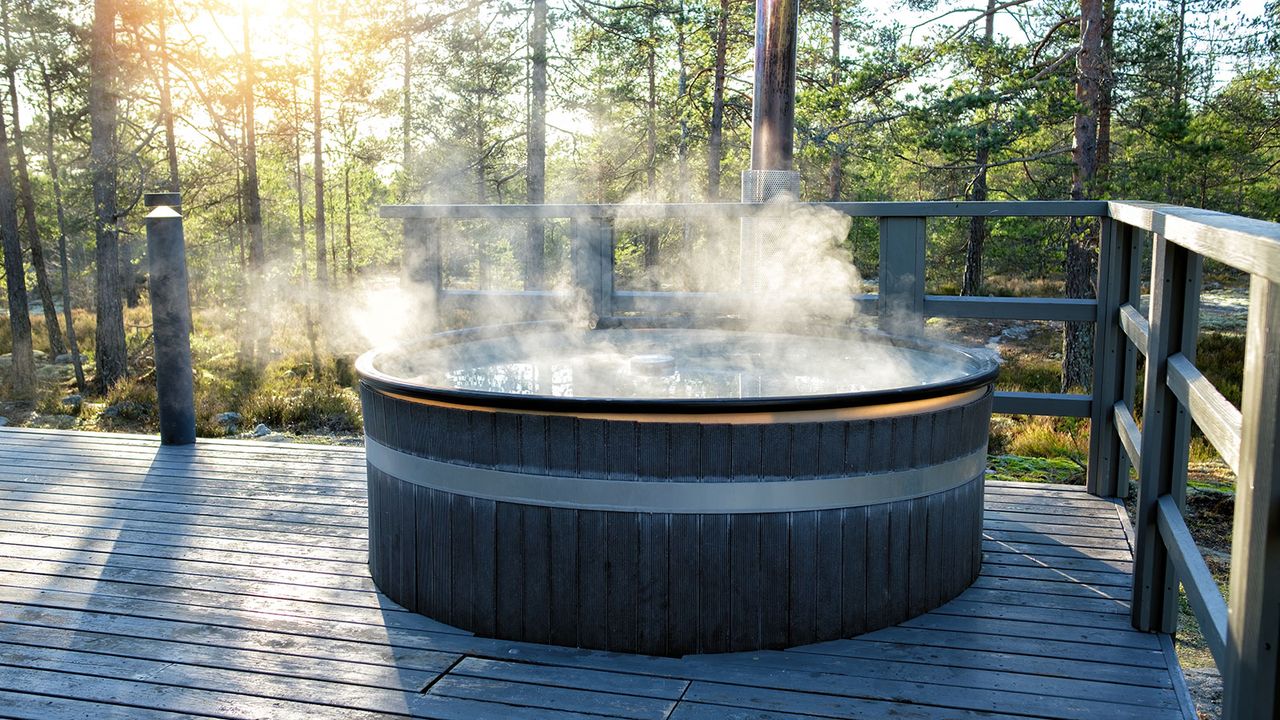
[789, 284]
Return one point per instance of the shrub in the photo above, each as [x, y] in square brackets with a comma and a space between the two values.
[131, 403]
[300, 404]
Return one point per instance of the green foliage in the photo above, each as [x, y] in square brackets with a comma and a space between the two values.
[297, 402]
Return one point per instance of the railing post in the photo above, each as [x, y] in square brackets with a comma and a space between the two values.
[1175, 292]
[591, 256]
[423, 273]
[171, 319]
[1114, 361]
[902, 255]
[1253, 627]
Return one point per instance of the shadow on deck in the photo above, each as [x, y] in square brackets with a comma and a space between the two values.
[229, 580]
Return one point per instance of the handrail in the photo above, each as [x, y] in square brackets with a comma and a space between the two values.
[1243, 243]
[877, 209]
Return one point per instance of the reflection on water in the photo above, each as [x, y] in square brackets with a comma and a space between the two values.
[702, 364]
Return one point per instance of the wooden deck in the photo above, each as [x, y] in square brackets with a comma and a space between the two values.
[229, 580]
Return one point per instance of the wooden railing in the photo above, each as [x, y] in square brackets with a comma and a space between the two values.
[1245, 639]
[901, 273]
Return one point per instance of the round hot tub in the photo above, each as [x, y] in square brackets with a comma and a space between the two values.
[674, 490]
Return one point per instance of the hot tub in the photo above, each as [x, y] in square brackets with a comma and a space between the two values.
[674, 490]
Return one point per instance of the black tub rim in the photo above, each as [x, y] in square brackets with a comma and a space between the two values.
[984, 374]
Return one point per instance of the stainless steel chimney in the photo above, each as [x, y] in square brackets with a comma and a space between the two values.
[773, 120]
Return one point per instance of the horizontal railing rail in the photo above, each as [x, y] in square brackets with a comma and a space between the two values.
[932, 208]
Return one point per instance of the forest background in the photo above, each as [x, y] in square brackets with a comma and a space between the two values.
[286, 125]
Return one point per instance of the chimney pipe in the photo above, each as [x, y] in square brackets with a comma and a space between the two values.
[774, 110]
[774, 107]
[773, 120]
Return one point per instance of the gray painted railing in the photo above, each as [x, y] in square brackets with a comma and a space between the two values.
[1245, 640]
[1244, 636]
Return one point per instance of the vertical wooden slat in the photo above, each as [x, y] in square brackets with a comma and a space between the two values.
[803, 574]
[713, 582]
[746, 452]
[1135, 242]
[716, 452]
[653, 584]
[620, 450]
[830, 563]
[897, 553]
[562, 444]
[591, 578]
[684, 568]
[774, 590]
[1252, 671]
[509, 535]
[775, 451]
[854, 571]
[877, 549]
[1174, 294]
[483, 553]
[425, 560]
[536, 522]
[653, 459]
[1108, 360]
[462, 564]
[591, 256]
[423, 273]
[376, 536]
[564, 576]
[918, 578]
[831, 447]
[621, 579]
[684, 451]
[744, 569]
[533, 443]
[507, 441]
[902, 256]
[591, 448]
[937, 542]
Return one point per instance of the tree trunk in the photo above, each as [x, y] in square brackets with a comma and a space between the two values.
[346, 202]
[536, 164]
[835, 170]
[651, 145]
[1106, 95]
[166, 108]
[23, 370]
[308, 320]
[111, 354]
[682, 98]
[51, 159]
[27, 199]
[1077, 341]
[317, 135]
[406, 119]
[260, 327]
[715, 138]
[972, 284]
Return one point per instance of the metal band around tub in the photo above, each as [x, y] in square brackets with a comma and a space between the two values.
[677, 497]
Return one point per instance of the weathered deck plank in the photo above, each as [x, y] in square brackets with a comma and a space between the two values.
[229, 580]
